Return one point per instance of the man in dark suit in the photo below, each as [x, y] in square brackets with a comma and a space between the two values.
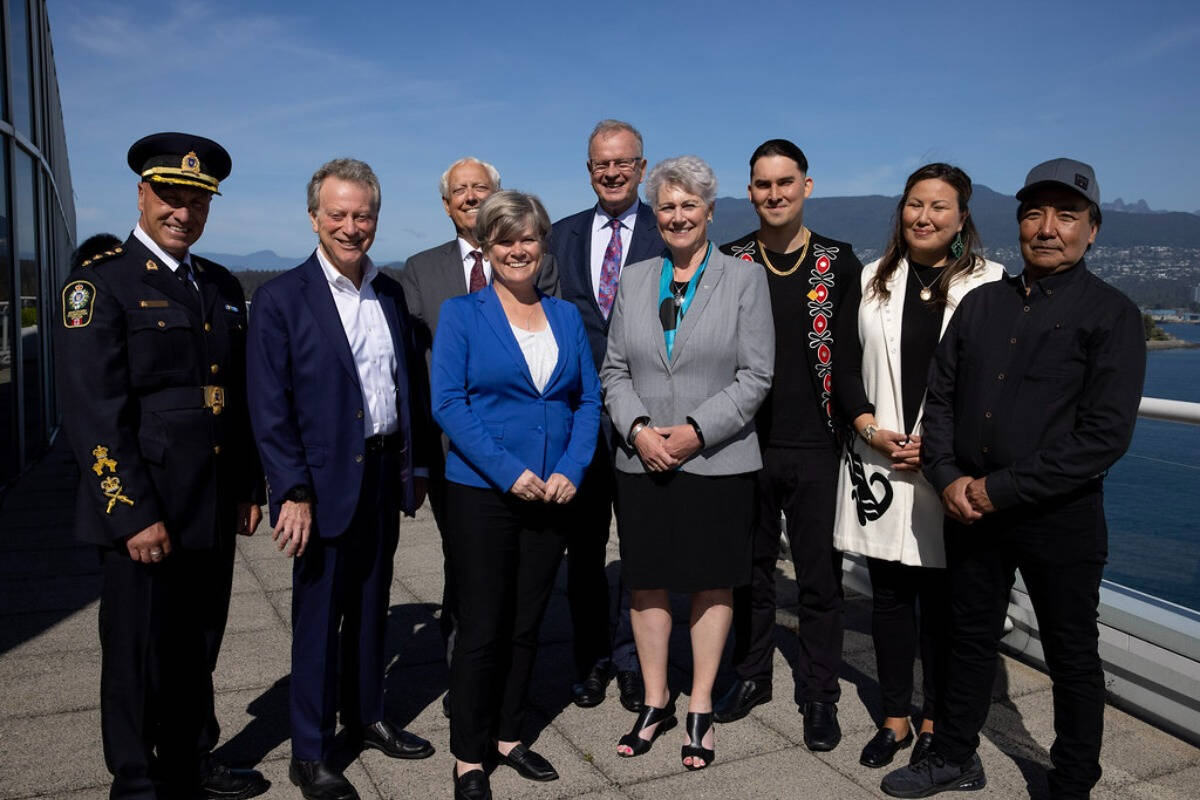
[151, 364]
[340, 408]
[432, 277]
[808, 275]
[592, 247]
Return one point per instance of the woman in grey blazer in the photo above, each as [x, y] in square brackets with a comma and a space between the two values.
[691, 349]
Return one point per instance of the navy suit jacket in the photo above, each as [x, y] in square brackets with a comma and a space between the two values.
[484, 398]
[571, 244]
[306, 401]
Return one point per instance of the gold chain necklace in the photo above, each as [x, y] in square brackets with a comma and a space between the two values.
[796, 266]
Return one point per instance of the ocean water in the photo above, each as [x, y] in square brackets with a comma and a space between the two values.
[1152, 495]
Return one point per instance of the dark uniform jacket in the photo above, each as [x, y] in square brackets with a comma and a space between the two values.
[153, 387]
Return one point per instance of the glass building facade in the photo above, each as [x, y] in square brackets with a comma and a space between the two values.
[37, 232]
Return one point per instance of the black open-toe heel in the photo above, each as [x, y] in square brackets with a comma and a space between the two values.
[663, 717]
[698, 724]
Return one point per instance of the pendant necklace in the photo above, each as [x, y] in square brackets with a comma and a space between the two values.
[926, 292]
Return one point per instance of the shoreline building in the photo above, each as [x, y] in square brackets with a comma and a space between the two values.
[37, 232]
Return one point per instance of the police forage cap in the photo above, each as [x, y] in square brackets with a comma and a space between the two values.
[1075, 175]
[183, 159]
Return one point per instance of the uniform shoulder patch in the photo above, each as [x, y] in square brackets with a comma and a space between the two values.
[100, 257]
[78, 300]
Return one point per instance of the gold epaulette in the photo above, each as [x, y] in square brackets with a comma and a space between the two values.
[96, 259]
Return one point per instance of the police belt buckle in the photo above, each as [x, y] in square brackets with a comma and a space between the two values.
[214, 398]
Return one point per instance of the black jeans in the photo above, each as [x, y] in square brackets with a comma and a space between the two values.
[900, 593]
[803, 485]
[504, 553]
[1060, 549]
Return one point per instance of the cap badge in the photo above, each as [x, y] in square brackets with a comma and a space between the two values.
[190, 163]
[1081, 181]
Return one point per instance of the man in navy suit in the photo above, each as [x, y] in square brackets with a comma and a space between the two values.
[591, 247]
[339, 403]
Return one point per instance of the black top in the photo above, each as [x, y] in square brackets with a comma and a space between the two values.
[791, 388]
[1038, 392]
[919, 328]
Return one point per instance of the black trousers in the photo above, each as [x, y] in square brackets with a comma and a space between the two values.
[901, 593]
[341, 588]
[504, 553]
[161, 627]
[803, 485]
[593, 636]
[1060, 549]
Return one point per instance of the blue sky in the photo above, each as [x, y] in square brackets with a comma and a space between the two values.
[869, 90]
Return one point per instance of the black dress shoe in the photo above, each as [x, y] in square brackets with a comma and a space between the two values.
[922, 748]
[220, 782]
[395, 743]
[882, 748]
[821, 729]
[934, 774]
[471, 785]
[630, 685]
[741, 697]
[529, 764]
[318, 781]
[590, 691]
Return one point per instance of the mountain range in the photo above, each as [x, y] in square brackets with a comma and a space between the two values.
[864, 222]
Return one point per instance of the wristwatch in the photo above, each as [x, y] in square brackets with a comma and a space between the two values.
[299, 494]
[637, 428]
[868, 432]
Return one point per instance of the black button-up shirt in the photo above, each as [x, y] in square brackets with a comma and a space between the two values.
[1038, 392]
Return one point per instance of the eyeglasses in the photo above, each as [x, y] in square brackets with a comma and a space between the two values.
[625, 165]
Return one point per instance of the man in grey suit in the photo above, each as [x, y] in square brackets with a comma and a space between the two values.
[435, 275]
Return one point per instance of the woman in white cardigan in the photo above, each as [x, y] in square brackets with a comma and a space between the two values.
[887, 511]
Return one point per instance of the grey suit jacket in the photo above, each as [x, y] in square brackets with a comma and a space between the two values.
[719, 374]
[433, 276]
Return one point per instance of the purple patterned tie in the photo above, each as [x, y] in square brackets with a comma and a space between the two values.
[477, 281]
[610, 269]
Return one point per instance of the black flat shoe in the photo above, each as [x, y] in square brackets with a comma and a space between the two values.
[882, 748]
[821, 729]
[741, 697]
[220, 782]
[472, 785]
[318, 781]
[528, 764]
[663, 717]
[589, 692]
[698, 724]
[395, 743]
[629, 684]
[922, 747]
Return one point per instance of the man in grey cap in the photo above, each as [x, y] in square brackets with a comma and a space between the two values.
[1032, 396]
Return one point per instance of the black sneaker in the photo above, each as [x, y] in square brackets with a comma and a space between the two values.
[934, 774]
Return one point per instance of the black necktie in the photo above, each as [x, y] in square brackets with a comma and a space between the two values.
[184, 273]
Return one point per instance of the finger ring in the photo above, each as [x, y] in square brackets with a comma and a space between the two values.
[156, 553]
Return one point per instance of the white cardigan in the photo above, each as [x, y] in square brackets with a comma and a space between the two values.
[910, 530]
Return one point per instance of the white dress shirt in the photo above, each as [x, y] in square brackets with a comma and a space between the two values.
[540, 349]
[171, 261]
[468, 261]
[370, 341]
[602, 233]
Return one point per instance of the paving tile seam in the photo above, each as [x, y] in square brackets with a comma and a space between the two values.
[99, 786]
[56, 712]
[584, 755]
[1042, 756]
[263, 588]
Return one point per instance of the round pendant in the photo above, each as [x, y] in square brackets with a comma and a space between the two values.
[926, 294]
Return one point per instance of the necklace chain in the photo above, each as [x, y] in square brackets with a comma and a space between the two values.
[926, 292]
[803, 252]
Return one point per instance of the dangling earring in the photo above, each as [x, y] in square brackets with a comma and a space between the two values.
[956, 247]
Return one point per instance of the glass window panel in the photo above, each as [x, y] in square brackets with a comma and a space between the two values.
[18, 42]
[31, 323]
[8, 319]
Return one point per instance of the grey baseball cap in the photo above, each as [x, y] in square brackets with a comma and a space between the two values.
[1075, 175]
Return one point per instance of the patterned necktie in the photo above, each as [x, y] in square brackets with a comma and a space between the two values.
[610, 269]
[477, 281]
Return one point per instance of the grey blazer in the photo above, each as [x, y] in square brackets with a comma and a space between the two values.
[719, 374]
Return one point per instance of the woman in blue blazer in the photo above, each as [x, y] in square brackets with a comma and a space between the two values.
[516, 392]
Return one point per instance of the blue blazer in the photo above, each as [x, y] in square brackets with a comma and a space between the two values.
[484, 399]
[305, 397]
[571, 244]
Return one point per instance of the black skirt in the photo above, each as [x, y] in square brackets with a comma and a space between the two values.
[685, 532]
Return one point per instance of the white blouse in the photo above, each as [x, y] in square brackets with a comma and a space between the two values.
[541, 353]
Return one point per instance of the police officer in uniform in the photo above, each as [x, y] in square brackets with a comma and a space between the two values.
[151, 368]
